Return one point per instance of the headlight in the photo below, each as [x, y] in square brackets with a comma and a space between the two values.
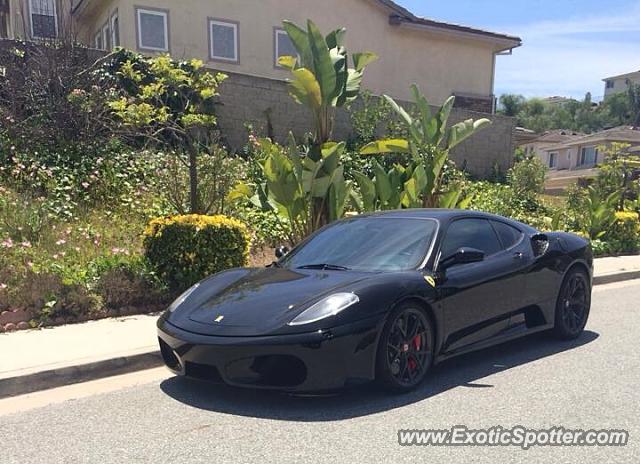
[182, 298]
[329, 306]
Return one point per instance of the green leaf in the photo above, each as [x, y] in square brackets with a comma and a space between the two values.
[364, 59]
[367, 190]
[465, 129]
[288, 62]
[383, 184]
[385, 146]
[450, 199]
[324, 70]
[335, 39]
[399, 110]
[305, 88]
[300, 40]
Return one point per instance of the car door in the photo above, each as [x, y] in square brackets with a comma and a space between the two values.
[477, 298]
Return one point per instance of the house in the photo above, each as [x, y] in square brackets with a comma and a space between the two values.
[621, 83]
[245, 37]
[579, 152]
[537, 146]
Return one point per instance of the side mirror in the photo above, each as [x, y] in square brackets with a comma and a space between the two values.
[281, 251]
[539, 244]
[464, 255]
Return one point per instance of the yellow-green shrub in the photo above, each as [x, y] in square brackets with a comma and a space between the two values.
[186, 249]
[624, 231]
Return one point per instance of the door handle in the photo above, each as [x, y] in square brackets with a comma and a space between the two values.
[518, 255]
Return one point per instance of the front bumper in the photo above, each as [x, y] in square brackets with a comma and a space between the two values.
[309, 362]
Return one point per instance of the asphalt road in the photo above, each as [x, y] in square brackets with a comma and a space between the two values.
[536, 382]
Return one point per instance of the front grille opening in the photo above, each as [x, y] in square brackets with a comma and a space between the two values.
[202, 372]
[169, 357]
[279, 371]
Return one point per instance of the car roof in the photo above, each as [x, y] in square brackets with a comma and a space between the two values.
[444, 215]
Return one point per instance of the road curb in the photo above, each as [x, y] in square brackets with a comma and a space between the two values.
[45, 380]
[616, 277]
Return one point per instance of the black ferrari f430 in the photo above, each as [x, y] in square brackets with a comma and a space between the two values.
[379, 297]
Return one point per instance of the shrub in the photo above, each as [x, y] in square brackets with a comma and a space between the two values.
[623, 234]
[123, 282]
[527, 176]
[503, 200]
[186, 249]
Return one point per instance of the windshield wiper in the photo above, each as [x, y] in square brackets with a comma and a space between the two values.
[324, 267]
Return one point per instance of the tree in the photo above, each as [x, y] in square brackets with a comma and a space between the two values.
[511, 104]
[634, 104]
[166, 103]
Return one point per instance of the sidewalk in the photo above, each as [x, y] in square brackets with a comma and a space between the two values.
[34, 360]
[41, 359]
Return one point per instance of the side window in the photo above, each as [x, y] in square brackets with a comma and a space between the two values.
[472, 233]
[509, 236]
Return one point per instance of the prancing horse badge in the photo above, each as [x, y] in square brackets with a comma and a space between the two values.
[219, 319]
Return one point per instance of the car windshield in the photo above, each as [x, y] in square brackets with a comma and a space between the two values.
[366, 244]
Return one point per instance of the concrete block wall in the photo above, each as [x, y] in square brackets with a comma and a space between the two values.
[266, 104]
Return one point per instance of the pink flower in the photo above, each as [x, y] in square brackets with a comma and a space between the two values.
[3, 286]
[25, 244]
[8, 243]
[61, 242]
[85, 185]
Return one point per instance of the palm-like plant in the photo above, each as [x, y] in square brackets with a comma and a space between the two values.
[321, 77]
[429, 142]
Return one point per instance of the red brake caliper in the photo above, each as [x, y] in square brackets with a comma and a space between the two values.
[416, 342]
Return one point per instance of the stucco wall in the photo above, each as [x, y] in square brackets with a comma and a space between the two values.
[441, 64]
[266, 104]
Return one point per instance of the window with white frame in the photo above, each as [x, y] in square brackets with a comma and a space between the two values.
[153, 29]
[44, 20]
[553, 160]
[115, 30]
[106, 36]
[283, 45]
[223, 40]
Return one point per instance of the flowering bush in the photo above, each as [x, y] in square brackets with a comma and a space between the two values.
[186, 249]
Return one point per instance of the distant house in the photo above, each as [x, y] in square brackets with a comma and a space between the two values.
[621, 83]
[583, 151]
[538, 146]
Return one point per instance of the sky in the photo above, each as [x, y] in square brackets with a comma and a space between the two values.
[569, 46]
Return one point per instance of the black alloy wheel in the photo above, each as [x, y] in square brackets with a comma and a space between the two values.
[405, 353]
[573, 306]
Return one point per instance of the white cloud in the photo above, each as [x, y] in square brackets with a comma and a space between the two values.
[570, 57]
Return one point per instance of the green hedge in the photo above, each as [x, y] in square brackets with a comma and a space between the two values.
[186, 249]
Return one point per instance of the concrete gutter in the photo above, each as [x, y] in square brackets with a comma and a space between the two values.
[16, 382]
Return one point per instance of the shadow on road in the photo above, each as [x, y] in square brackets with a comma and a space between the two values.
[462, 371]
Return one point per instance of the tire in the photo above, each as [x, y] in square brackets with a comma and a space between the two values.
[573, 305]
[405, 350]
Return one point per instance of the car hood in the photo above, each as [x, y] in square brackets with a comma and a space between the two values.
[254, 302]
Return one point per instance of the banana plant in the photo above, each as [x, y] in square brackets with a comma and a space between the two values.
[428, 145]
[321, 77]
[295, 184]
[600, 212]
[398, 188]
